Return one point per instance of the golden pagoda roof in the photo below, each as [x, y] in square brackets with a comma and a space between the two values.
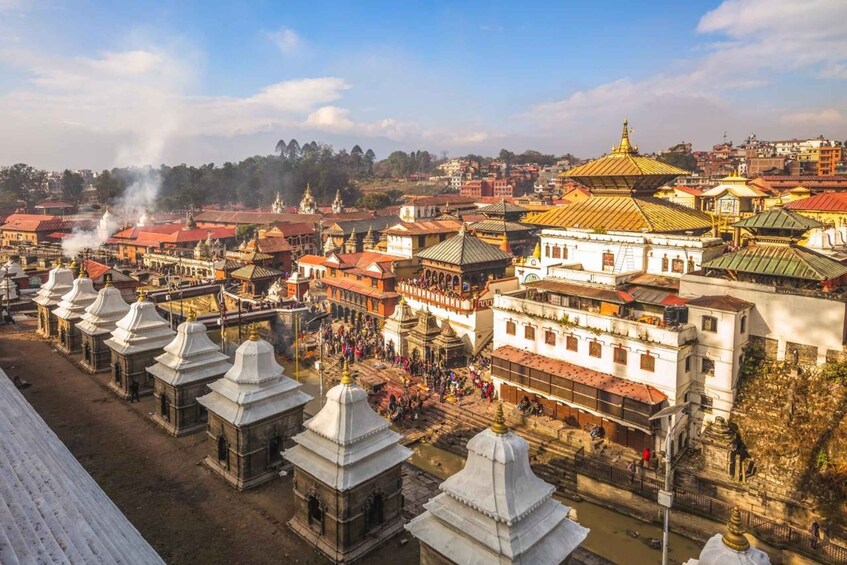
[624, 170]
[624, 213]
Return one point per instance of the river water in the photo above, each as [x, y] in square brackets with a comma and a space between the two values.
[608, 536]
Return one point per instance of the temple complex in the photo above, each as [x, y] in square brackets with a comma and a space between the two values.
[457, 282]
[253, 411]
[137, 339]
[503, 223]
[190, 362]
[70, 311]
[496, 510]
[59, 282]
[347, 476]
[97, 324]
[730, 547]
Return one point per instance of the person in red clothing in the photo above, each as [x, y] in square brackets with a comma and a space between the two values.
[645, 455]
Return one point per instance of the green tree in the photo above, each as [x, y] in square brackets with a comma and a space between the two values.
[108, 186]
[682, 159]
[72, 185]
[374, 200]
[281, 147]
[22, 181]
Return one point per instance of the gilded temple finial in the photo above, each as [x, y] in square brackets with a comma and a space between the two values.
[192, 315]
[499, 425]
[537, 251]
[734, 536]
[142, 295]
[625, 146]
[254, 333]
[346, 379]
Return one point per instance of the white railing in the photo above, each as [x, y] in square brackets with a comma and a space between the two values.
[675, 336]
[437, 298]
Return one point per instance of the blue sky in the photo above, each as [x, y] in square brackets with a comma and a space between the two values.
[86, 84]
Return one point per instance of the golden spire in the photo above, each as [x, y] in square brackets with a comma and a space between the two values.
[61, 263]
[499, 425]
[346, 379]
[734, 536]
[254, 333]
[537, 251]
[192, 315]
[73, 264]
[504, 244]
[142, 295]
[108, 278]
[83, 274]
[625, 147]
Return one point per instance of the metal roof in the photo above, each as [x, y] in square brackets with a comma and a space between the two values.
[624, 213]
[501, 208]
[254, 272]
[499, 226]
[790, 261]
[464, 249]
[595, 292]
[778, 218]
[826, 202]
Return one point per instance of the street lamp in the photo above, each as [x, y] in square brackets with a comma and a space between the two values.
[666, 495]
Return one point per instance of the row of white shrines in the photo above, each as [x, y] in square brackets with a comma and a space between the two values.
[347, 461]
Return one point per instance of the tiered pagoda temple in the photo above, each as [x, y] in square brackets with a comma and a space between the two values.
[623, 185]
[138, 338]
[181, 374]
[97, 324]
[496, 510]
[253, 412]
[70, 311]
[347, 476]
[503, 222]
[59, 282]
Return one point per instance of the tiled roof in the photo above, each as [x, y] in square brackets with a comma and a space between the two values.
[499, 226]
[501, 208]
[254, 272]
[184, 236]
[826, 202]
[228, 265]
[722, 302]
[363, 259]
[602, 381]
[345, 227]
[357, 287]
[689, 190]
[34, 223]
[263, 218]
[270, 245]
[289, 230]
[739, 191]
[464, 249]
[441, 200]
[425, 227]
[624, 213]
[312, 260]
[778, 218]
[53, 204]
[788, 261]
[603, 293]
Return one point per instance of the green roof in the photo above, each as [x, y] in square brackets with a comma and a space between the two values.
[788, 261]
[499, 226]
[778, 218]
[464, 249]
[501, 208]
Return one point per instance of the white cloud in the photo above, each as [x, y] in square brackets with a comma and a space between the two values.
[762, 41]
[824, 117]
[333, 119]
[286, 40]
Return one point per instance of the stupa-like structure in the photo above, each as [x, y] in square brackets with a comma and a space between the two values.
[70, 311]
[190, 362]
[731, 548]
[254, 410]
[496, 510]
[59, 282]
[8, 289]
[97, 324]
[347, 476]
[307, 203]
[138, 338]
[398, 326]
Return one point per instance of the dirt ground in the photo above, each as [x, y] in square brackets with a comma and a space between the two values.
[186, 513]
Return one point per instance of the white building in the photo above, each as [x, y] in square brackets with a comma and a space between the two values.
[731, 547]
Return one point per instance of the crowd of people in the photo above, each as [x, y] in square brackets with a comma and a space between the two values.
[353, 343]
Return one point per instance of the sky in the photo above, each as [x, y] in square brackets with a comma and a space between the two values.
[103, 84]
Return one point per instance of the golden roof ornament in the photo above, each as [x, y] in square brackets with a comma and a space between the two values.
[537, 251]
[108, 278]
[142, 295]
[192, 315]
[73, 264]
[83, 274]
[734, 537]
[346, 379]
[254, 333]
[625, 147]
[499, 425]
[61, 263]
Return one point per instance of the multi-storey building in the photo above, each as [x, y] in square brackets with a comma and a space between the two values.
[407, 239]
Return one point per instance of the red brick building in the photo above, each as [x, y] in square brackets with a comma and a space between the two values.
[30, 228]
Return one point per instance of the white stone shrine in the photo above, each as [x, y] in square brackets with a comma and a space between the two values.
[59, 282]
[347, 476]
[190, 362]
[70, 311]
[496, 510]
[138, 338]
[253, 411]
[730, 548]
[97, 323]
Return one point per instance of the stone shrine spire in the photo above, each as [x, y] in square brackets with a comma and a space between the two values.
[730, 547]
[496, 510]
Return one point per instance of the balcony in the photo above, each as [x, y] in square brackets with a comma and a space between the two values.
[671, 336]
[464, 305]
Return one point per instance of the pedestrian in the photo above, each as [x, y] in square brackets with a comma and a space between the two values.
[133, 392]
[645, 456]
[631, 470]
[442, 388]
[490, 391]
[816, 532]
